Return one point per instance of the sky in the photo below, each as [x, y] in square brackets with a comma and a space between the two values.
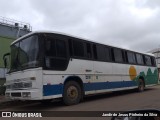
[130, 24]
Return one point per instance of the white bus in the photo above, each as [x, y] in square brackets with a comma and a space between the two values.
[49, 65]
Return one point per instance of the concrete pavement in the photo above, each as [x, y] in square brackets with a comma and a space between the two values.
[2, 99]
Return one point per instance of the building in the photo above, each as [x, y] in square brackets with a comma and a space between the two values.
[9, 31]
[156, 53]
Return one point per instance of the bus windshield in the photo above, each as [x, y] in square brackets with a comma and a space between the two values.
[24, 54]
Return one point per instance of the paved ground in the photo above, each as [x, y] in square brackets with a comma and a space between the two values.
[116, 101]
[2, 99]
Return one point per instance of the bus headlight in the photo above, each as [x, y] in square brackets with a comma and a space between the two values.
[26, 94]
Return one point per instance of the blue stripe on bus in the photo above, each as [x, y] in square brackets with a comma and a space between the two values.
[108, 85]
[52, 90]
[58, 89]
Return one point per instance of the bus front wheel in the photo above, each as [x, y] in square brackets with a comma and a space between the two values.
[72, 93]
[141, 85]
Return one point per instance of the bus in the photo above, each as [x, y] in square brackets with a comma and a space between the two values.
[48, 65]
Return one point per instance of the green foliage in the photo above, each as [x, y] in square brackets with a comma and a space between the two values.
[150, 78]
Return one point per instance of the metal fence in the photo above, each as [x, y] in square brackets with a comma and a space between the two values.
[15, 23]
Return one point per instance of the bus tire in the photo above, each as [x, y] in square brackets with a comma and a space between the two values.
[72, 93]
[141, 85]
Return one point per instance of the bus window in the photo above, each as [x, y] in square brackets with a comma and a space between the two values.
[107, 54]
[70, 47]
[153, 61]
[147, 60]
[55, 54]
[131, 57]
[55, 48]
[50, 47]
[101, 52]
[89, 52]
[78, 48]
[139, 59]
[95, 51]
[118, 55]
[61, 48]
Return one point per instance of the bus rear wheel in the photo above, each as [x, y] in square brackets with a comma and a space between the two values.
[72, 93]
[141, 85]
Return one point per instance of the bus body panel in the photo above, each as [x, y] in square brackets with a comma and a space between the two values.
[97, 75]
[103, 77]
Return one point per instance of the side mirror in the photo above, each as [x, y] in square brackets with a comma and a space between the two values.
[138, 115]
[5, 59]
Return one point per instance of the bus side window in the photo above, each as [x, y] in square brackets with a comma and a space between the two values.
[55, 48]
[95, 51]
[55, 53]
[107, 54]
[147, 60]
[61, 48]
[153, 60]
[78, 48]
[131, 57]
[118, 55]
[112, 55]
[101, 53]
[125, 56]
[88, 51]
[50, 47]
[139, 59]
[70, 47]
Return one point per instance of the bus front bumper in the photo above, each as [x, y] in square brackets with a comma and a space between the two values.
[33, 94]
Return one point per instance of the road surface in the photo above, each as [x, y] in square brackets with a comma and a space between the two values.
[116, 101]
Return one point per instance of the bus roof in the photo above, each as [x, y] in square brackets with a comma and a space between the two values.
[60, 33]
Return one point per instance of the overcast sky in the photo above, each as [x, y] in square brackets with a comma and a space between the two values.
[131, 24]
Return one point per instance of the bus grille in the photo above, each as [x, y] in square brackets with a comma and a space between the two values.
[16, 94]
[20, 85]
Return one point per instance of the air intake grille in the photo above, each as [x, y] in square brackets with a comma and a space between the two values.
[16, 94]
[20, 85]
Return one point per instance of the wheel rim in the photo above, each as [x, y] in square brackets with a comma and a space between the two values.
[72, 92]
